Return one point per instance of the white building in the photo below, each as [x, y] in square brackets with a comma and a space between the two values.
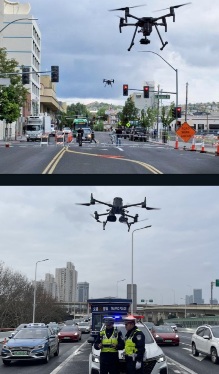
[20, 35]
[66, 279]
[82, 291]
[50, 285]
[140, 102]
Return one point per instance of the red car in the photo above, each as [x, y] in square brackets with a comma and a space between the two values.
[165, 335]
[69, 334]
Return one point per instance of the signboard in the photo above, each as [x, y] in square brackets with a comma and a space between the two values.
[5, 82]
[109, 308]
[162, 96]
[185, 132]
[217, 283]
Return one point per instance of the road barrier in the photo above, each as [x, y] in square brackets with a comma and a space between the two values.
[203, 147]
[60, 140]
[44, 139]
[217, 150]
[193, 145]
[177, 143]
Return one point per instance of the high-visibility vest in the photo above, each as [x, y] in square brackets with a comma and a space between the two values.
[130, 346]
[107, 342]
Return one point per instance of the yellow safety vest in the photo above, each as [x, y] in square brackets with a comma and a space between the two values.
[107, 342]
[130, 346]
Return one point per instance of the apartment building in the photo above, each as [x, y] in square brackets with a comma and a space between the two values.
[82, 291]
[66, 279]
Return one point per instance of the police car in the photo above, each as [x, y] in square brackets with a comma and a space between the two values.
[154, 363]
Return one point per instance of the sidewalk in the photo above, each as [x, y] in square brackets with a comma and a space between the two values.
[183, 146]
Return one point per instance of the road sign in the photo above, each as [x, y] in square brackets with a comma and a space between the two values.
[185, 132]
[5, 82]
[217, 283]
[162, 96]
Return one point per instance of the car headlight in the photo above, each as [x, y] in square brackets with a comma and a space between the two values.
[40, 346]
[161, 358]
[95, 359]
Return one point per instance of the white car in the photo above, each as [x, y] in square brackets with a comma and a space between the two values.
[155, 358]
[66, 130]
[205, 340]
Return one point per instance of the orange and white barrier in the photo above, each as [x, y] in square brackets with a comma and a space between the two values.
[60, 140]
[193, 145]
[177, 143]
[217, 150]
[70, 138]
[44, 139]
[203, 146]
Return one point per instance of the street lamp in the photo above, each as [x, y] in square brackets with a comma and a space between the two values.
[182, 298]
[145, 227]
[34, 294]
[15, 20]
[176, 71]
[117, 286]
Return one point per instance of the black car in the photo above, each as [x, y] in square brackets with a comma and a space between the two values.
[139, 134]
[86, 135]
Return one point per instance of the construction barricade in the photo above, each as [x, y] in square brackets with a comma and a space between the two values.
[60, 140]
[44, 139]
[193, 145]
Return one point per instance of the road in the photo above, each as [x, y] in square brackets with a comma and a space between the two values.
[103, 157]
[73, 358]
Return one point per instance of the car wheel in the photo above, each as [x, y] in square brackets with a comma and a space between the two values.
[194, 350]
[6, 362]
[214, 356]
[57, 351]
[46, 359]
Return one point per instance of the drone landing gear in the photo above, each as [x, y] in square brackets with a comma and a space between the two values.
[163, 44]
[133, 38]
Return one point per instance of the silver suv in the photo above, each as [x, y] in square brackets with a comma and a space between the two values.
[154, 363]
[205, 340]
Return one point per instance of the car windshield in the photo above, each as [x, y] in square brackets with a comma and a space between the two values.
[148, 337]
[163, 329]
[34, 333]
[69, 328]
[215, 331]
[83, 324]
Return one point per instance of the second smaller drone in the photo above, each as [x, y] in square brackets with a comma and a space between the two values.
[108, 82]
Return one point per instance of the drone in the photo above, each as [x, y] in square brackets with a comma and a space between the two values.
[145, 24]
[108, 82]
[117, 207]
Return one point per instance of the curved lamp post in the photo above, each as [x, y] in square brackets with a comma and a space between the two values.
[34, 294]
[15, 20]
[132, 293]
[176, 71]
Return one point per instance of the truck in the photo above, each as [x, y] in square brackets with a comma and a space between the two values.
[36, 126]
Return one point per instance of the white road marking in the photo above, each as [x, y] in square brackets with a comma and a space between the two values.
[180, 366]
[56, 370]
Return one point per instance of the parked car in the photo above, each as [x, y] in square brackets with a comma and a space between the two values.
[205, 340]
[155, 361]
[139, 134]
[84, 327]
[31, 343]
[69, 333]
[171, 324]
[66, 130]
[165, 335]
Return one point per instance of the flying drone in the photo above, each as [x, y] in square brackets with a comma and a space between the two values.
[117, 207]
[108, 82]
[146, 23]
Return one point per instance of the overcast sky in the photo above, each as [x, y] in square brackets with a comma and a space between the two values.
[171, 258]
[83, 38]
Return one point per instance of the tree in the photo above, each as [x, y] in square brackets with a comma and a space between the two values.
[129, 112]
[12, 98]
[166, 115]
[148, 118]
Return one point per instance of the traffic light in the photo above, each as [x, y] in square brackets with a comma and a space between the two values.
[146, 92]
[125, 90]
[178, 112]
[173, 112]
[54, 73]
[25, 75]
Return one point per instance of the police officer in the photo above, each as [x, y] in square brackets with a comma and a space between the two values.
[134, 347]
[109, 340]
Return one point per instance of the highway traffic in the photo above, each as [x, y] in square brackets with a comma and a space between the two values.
[103, 157]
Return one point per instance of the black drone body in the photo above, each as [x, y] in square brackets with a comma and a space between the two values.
[145, 25]
[115, 208]
[108, 82]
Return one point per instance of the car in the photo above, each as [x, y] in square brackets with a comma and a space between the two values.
[139, 134]
[66, 130]
[54, 326]
[149, 325]
[165, 335]
[171, 324]
[205, 340]
[69, 333]
[31, 343]
[84, 327]
[86, 135]
[155, 361]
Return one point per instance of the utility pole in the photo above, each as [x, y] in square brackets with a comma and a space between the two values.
[186, 111]
[158, 91]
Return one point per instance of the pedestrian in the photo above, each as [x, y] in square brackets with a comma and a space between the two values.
[80, 135]
[93, 136]
[119, 135]
[109, 340]
[134, 347]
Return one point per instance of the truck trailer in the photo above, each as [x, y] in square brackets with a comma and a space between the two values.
[37, 126]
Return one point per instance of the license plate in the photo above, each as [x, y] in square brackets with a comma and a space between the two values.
[20, 353]
[168, 341]
[66, 337]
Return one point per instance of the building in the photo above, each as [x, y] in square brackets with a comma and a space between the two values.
[66, 279]
[82, 292]
[50, 286]
[197, 296]
[22, 39]
[140, 102]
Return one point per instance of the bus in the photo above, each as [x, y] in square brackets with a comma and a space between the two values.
[79, 123]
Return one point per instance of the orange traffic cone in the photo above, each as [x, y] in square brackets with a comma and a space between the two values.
[193, 145]
[217, 151]
[177, 143]
[203, 147]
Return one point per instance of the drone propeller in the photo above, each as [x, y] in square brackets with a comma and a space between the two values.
[86, 204]
[127, 7]
[174, 6]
